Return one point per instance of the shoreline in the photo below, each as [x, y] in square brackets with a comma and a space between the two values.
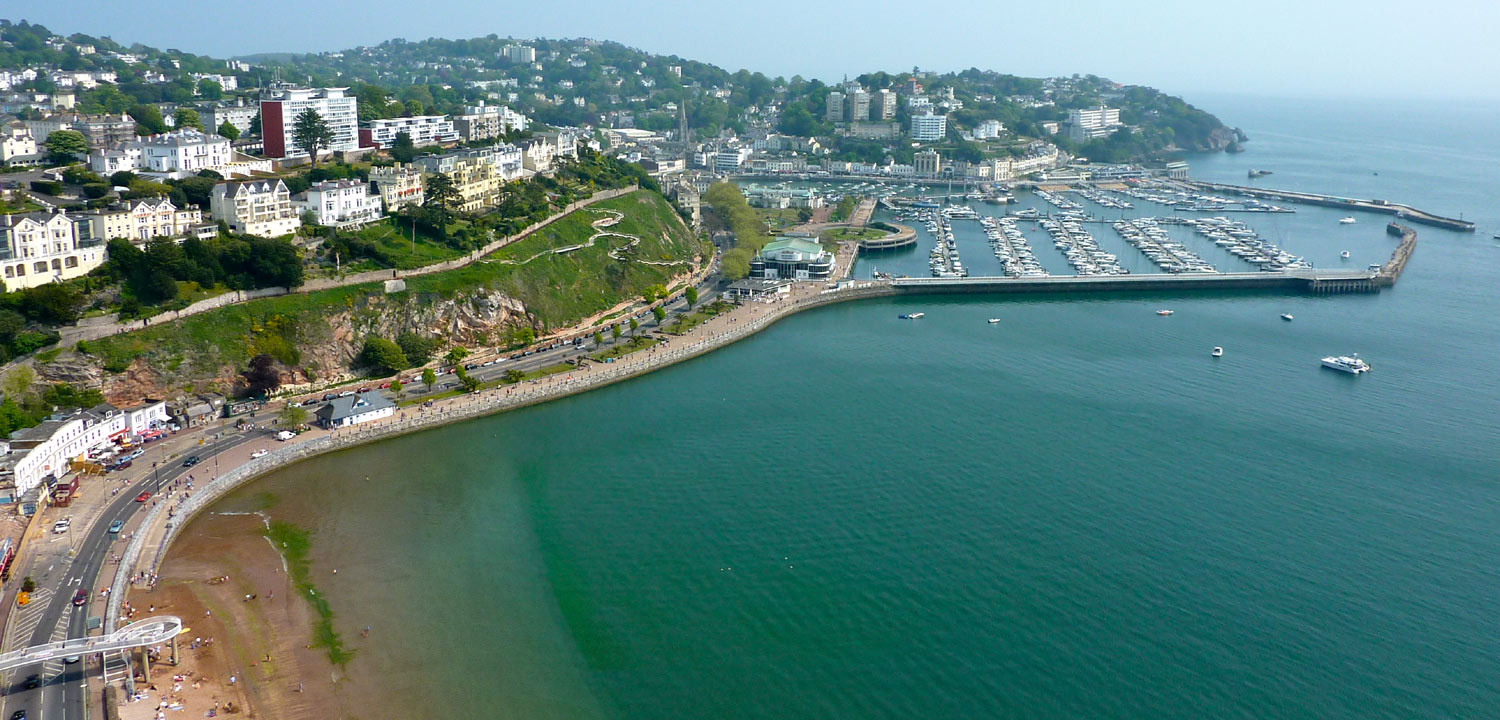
[159, 531]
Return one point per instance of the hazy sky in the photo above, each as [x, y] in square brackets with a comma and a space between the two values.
[1378, 48]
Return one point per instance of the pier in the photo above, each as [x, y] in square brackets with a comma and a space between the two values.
[1320, 282]
[1405, 212]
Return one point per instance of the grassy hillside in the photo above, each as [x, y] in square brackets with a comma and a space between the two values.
[556, 290]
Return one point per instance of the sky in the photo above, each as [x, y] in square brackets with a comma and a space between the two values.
[1373, 48]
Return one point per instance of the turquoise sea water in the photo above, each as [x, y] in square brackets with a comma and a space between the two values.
[1075, 512]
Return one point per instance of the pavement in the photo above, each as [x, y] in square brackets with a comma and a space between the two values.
[61, 564]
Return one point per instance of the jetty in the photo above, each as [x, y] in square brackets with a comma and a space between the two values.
[1404, 212]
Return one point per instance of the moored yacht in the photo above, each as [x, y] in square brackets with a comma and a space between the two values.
[1347, 221]
[1351, 364]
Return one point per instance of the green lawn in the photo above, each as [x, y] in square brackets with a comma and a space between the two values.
[624, 347]
[396, 244]
[558, 290]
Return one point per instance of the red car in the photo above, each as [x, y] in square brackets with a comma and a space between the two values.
[144, 496]
[80, 597]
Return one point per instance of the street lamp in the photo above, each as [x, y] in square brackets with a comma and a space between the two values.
[156, 470]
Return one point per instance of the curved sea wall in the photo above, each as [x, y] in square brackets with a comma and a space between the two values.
[157, 532]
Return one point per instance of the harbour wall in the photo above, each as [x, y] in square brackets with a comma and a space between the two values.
[1405, 212]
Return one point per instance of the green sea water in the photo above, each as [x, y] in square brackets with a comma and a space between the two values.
[1074, 512]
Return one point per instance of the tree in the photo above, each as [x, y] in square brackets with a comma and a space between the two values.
[17, 382]
[614, 332]
[633, 325]
[262, 377]
[310, 133]
[691, 294]
[382, 356]
[440, 193]
[210, 89]
[187, 118]
[736, 263]
[418, 349]
[429, 378]
[229, 131]
[66, 146]
[397, 388]
[514, 376]
[598, 338]
[292, 416]
[403, 149]
[659, 313]
[468, 382]
[122, 178]
[148, 118]
[455, 355]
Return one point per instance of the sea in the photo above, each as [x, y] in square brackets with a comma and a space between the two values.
[1074, 512]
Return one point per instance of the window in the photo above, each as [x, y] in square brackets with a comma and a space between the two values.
[40, 267]
[71, 261]
[56, 264]
[20, 270]
[10, 271]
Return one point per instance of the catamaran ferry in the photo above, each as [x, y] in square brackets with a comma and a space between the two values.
[1347, 363]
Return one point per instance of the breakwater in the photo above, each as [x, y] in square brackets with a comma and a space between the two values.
[1405, 212]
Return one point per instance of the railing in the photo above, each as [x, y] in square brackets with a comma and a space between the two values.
[151, 631]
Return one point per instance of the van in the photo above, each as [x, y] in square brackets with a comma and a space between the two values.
[285, 435]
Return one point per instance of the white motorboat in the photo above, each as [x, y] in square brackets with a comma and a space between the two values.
[1286, 316]
[1344, 254]
[1351, 364]
[1347, 221]
[1217, 352]
[1163, 313]
[994, 320]
[913, 316]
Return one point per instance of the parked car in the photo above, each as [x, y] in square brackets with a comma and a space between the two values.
[328, 396]
[384, 385]
[116, 526]
[492, 362]
[285, 435]
[363, 390]
[258, 454]
[61, 526]
[137, 453]
[144, 496]
[122, 464]
[80, 597]
[346, 393]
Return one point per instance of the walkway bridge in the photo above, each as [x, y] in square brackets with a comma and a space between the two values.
[152, 631]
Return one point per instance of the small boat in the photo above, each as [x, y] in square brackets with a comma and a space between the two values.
[913, 316]
[1163, 313]
[1347, 221]
[1344, 254]
[1218, 351]
[994, 320]
[1286, 316]
[1351, 364]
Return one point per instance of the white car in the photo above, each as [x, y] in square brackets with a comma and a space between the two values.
[258, 454]
[61, 526]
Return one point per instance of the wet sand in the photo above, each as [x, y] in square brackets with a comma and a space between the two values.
[297, 682]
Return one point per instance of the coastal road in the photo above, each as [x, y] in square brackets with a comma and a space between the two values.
[62, 690]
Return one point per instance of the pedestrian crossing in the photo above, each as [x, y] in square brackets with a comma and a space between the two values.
[115, 667]
[59, 633]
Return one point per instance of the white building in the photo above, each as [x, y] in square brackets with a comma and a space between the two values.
[486, 122]
[538, 154]
[423, 130]
[255, 207]
[226, 82]
[398, 185]
[988, 129]
[1091, 123]
[239, 115]
[519, 53]
[729, 160]
[340, 203]
[929, 127]
[280, 105]
[141, 220]
[16, 141]
[355, 409]
[176, 154]
[42, 247]
[46, 450]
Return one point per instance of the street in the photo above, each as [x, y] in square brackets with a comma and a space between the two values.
[62, 690]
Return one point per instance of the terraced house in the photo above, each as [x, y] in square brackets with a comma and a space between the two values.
[255, 207]
[42, 247]
[141, 220]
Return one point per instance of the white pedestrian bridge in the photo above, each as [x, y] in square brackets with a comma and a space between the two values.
[151, 631]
